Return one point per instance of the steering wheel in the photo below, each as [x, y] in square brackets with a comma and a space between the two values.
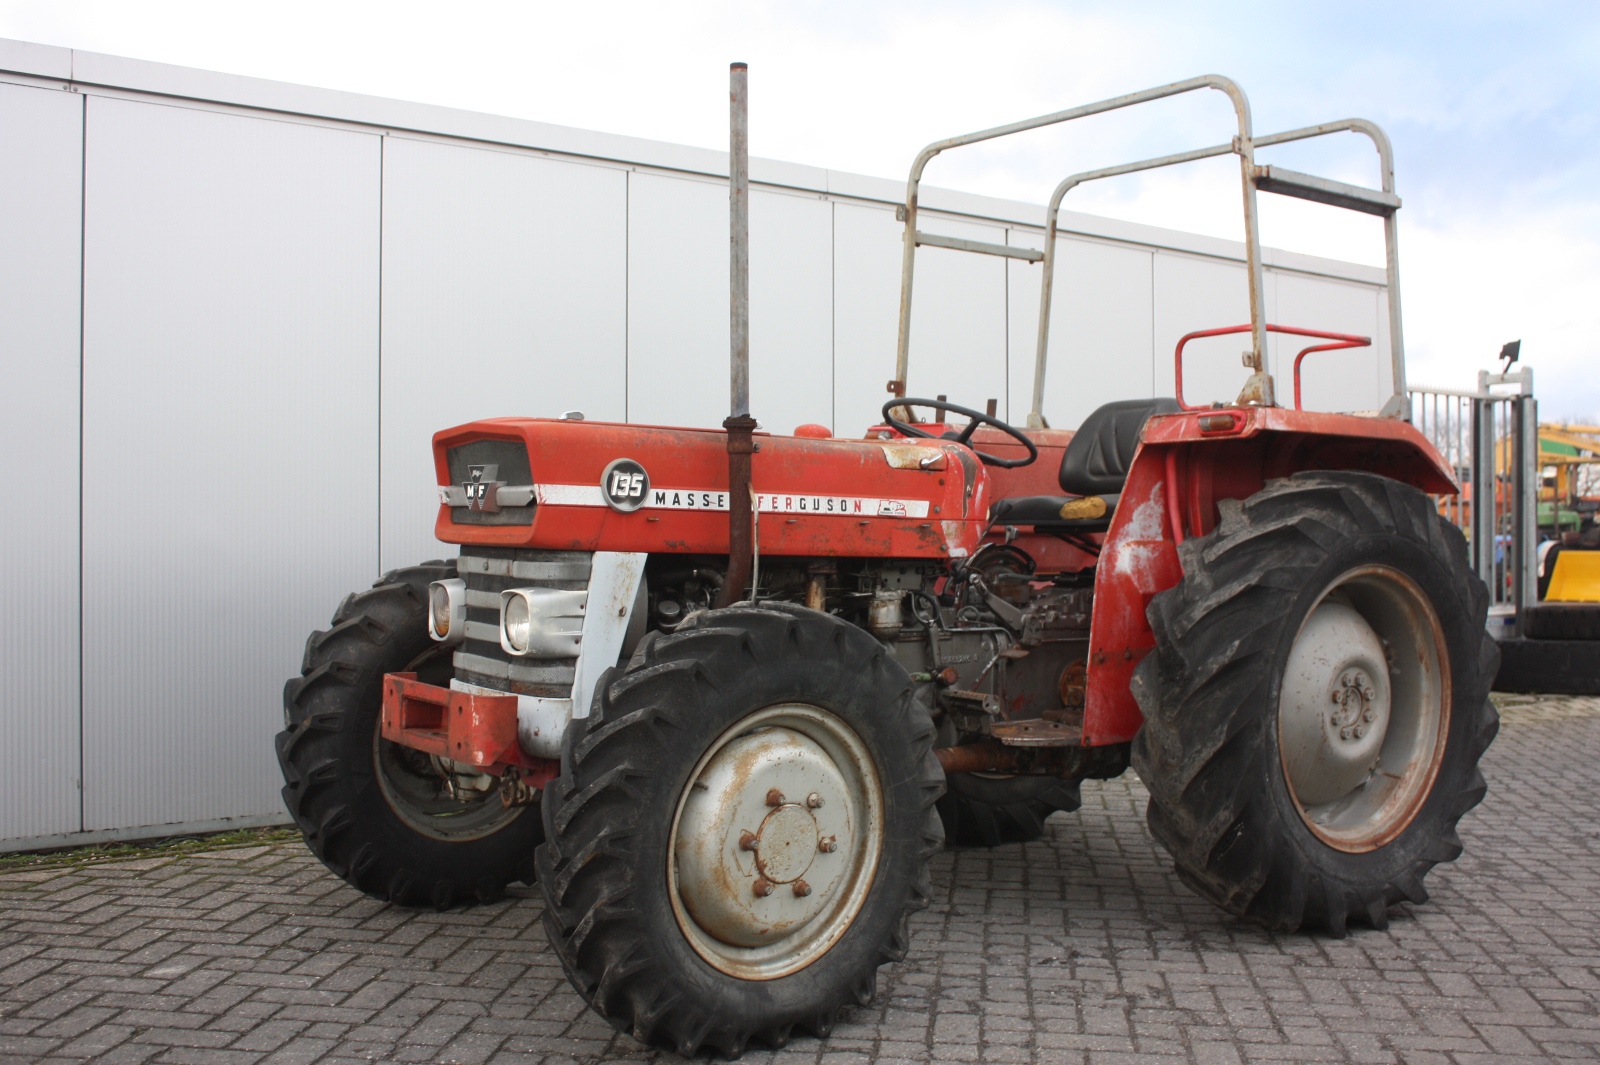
[974, 419]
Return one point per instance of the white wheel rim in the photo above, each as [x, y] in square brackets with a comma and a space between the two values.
[775, 842]
[1364, 709]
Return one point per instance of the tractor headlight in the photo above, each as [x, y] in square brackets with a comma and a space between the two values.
[516, 619]
[447, 610]
[541, 622]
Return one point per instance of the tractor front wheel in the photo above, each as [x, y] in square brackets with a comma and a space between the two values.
[1317, 702]
[395, 823]
[740, 829]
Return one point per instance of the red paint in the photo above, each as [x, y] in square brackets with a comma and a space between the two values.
[1138, 561]
[1174, 509]
[576, 453]
[476, 730]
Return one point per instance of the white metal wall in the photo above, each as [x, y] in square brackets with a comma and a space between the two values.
[230, 441]
[277, 312]
[504, 291]
[41, 138]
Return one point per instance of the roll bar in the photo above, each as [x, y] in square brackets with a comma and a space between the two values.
[1259, 389]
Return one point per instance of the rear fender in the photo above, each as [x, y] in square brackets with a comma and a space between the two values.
[1185, 465]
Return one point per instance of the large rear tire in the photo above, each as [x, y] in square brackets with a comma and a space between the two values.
[381, 816]
[1317, 702]
[740, 830]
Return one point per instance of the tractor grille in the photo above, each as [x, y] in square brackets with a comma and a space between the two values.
[511, 458]
[489, 571]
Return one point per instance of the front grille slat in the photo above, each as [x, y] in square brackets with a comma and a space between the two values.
[488, 571]
[553, 671]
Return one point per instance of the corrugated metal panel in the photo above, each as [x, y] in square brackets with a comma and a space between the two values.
[791, 316]
[230, 441]
[1190, 294]
[866, 294]
[677, 301]
[1332, 380]
[958, 320]
[958, 316]
[1101, 315]
[504, 293]
[41, 137]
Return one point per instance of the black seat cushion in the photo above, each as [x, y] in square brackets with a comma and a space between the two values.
[1096, 459]
[1046, 511]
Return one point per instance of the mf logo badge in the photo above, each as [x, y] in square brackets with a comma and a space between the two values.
[625, 485]
[483, 491]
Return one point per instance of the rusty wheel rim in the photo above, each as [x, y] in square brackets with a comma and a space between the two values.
[1364, 709]
[775, 841]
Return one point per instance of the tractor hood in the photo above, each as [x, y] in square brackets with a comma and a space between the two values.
[607, 486]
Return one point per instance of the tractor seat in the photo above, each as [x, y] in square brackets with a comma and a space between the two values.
[1094, 468]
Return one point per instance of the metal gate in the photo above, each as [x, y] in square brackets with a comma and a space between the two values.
[1490, 438]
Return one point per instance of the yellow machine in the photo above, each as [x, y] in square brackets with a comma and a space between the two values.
[1567, 449]
[1576, 578]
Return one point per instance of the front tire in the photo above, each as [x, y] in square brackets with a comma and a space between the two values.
[1317, 702]
[740, 830]
[381, 816]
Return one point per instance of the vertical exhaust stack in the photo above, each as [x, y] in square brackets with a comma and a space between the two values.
[739, 424]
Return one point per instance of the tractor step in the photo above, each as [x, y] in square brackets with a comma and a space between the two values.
[1037, 732]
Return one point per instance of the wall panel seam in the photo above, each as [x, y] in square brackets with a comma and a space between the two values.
[383, 162]
[83, 265]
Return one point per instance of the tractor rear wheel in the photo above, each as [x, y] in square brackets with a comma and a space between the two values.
[988, 810]
[1317, 702]
[740, 830]
[389, 820]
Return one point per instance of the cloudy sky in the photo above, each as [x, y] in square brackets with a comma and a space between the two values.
[1494, 110]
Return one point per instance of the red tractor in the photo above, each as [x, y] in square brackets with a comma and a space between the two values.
[723, 694]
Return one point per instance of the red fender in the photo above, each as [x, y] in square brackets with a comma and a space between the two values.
[1185, 464]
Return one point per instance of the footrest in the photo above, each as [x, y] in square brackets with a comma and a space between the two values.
[1037, 732]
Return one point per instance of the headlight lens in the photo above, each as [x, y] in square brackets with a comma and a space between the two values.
[439, 607]
[516, 620]
[447, 610]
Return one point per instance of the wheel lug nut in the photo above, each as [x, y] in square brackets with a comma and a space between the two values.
[814, 800]
[775, 797]
[801, 889]
[763, 888]
[828, 844]
[748, 841]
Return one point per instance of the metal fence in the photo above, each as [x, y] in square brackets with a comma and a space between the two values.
[1489, 437]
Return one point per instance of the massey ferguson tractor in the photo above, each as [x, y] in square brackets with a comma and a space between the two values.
[722, 694]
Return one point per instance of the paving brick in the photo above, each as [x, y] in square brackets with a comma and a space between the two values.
[1082, 947]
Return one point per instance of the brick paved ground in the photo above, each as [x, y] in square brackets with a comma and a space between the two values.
[1081, 947]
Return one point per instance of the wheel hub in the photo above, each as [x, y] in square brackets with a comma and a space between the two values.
[1355, 706]
[1363, 711]
[751, 868]
[775, 842]
[1335, 704]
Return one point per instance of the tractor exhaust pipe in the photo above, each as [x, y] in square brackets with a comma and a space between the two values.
[739, 424]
